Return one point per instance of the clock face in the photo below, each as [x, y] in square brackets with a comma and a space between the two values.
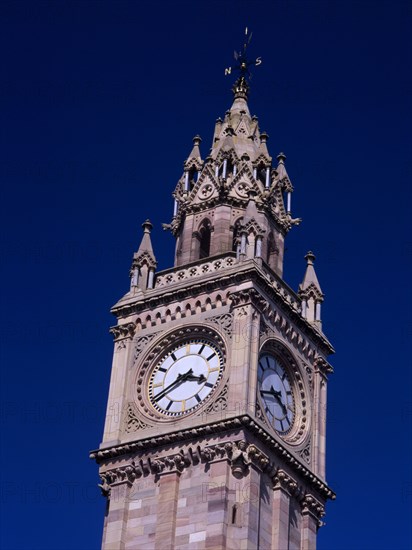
[185, 377]
[276, 393]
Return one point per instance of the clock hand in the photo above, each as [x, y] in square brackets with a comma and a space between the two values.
[278, 396]
[266, 391]
[193, 378]
[180, 378]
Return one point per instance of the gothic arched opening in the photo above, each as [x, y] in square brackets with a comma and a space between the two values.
[236, 236]
[205, 232]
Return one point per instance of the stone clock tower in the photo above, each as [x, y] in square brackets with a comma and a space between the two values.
[215, 426]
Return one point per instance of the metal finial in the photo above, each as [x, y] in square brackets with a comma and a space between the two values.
[243, 67]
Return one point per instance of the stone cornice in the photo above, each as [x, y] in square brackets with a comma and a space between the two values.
[121, 332]
[244, 455]
[233, 275]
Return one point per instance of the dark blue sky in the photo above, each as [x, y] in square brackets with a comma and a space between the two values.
[100, 101]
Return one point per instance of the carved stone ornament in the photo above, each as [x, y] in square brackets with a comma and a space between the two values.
[224, 322]
[132, 422]
[208, 453]
[240, 455]
[310, 505]
[281, 480]
[242, 189]
[305, 453]
[206, 191]
[321, 364]
[219, 404]
[259, 413]
[141, 343]
[123, 331]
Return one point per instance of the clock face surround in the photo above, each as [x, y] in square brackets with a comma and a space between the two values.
[276, 393]
[185, 377]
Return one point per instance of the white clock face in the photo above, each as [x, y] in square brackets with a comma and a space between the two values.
[185, 377]
[276, 393]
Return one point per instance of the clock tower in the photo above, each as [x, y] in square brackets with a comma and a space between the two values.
[215, 425]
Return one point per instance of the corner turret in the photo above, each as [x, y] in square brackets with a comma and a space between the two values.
[311, 293]
[144, 262]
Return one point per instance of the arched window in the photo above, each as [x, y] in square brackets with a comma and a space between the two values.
[204, 239]
[236, 236]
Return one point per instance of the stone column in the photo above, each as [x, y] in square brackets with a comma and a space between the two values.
[304, 306]
[258, 246]
[267, 181]
[134, 277]
[317, 311]
[167, 510]
[322, 427]
[312, 511]
[283, 488]
[150, 279]
[243, 241]
[289, 202]
[114, 537]
[116, 404]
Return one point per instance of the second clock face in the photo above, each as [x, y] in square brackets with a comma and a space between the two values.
[185, 377]
[276, 393]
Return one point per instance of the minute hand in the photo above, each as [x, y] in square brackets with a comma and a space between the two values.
[180, 378]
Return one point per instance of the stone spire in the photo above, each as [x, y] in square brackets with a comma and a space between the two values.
[144, 261]
[311, 293]
[214, 197]
[195, 157]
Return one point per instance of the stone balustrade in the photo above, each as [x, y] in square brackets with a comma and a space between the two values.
[210, 265]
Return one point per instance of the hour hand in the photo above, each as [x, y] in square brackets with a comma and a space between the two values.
[193, 378]
[267, 392]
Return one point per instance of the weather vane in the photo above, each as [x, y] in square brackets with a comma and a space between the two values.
[243, 63]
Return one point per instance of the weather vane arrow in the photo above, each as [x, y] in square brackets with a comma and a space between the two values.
[243, 63]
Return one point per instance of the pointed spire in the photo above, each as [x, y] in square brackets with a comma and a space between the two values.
[239, 105]
[195, 153]
[146, 243]
[311, 293]
[310, 278]
[263, 150]
[194, 160]
[144, 261]
[281, 170]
